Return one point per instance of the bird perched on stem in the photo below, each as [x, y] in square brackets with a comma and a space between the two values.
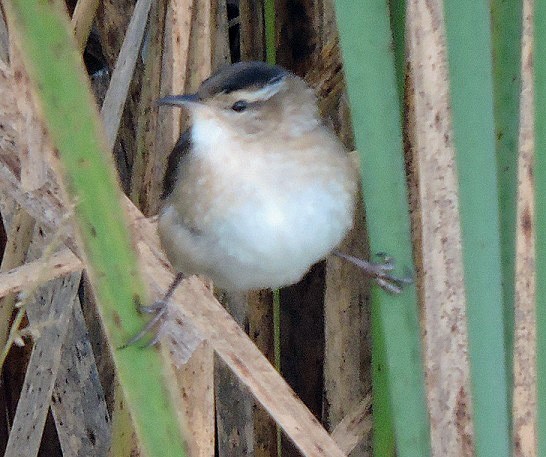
[258, 189]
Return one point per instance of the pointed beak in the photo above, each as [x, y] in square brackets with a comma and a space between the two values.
[179, 100]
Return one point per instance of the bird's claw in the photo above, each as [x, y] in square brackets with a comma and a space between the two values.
[386, 260]
[153, 308]
[160, 309]
[380, 272]
[392, 284]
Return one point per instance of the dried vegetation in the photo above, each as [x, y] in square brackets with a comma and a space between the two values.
[58, 392]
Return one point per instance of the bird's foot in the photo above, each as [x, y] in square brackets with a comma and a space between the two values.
[380, 272]
[159, 309]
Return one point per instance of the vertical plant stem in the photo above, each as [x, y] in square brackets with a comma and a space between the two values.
[375, 106]
[383, 436]
[270, 41]
[383, 428]
[269, 17]
[69, 112]
[271, 58]
[540, 201]
[397, 10]
[506, 20]
[82, 21]
[470, 65]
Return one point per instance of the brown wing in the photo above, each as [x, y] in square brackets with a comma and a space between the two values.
[181, 149]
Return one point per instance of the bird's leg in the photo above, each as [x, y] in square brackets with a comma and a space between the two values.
[163, 301]
[159, 308]
[380, 272]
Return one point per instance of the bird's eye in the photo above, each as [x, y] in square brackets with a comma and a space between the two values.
[239, 105]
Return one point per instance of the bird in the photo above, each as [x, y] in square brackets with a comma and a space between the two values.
[259, 188]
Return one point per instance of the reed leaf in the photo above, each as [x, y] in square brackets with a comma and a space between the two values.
[397, 10]
[375, 108]
[69, 112]
[270, 34]
[506, 21]
[540, 202]
[470, 65]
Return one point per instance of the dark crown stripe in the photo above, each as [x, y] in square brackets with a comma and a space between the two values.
[242, 75]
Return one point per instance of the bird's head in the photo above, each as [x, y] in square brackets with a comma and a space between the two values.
[249, 100]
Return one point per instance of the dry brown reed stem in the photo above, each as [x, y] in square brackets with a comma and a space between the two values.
[525, 395]
[198, 306]
[82, 21]
[441, 282]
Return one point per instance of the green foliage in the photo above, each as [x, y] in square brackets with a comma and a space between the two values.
[485, 83]
[375, 107]
[506, 21]
[270, 41]
[540, 198]
[471, 82]
[69, 111]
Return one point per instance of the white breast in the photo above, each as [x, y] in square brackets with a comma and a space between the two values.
[274, 217]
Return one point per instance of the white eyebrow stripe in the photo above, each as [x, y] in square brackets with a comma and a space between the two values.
[262, 94]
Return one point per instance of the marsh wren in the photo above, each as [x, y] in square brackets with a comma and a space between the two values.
[258, 189]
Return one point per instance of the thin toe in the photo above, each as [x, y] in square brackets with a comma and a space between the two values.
[147, 328]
